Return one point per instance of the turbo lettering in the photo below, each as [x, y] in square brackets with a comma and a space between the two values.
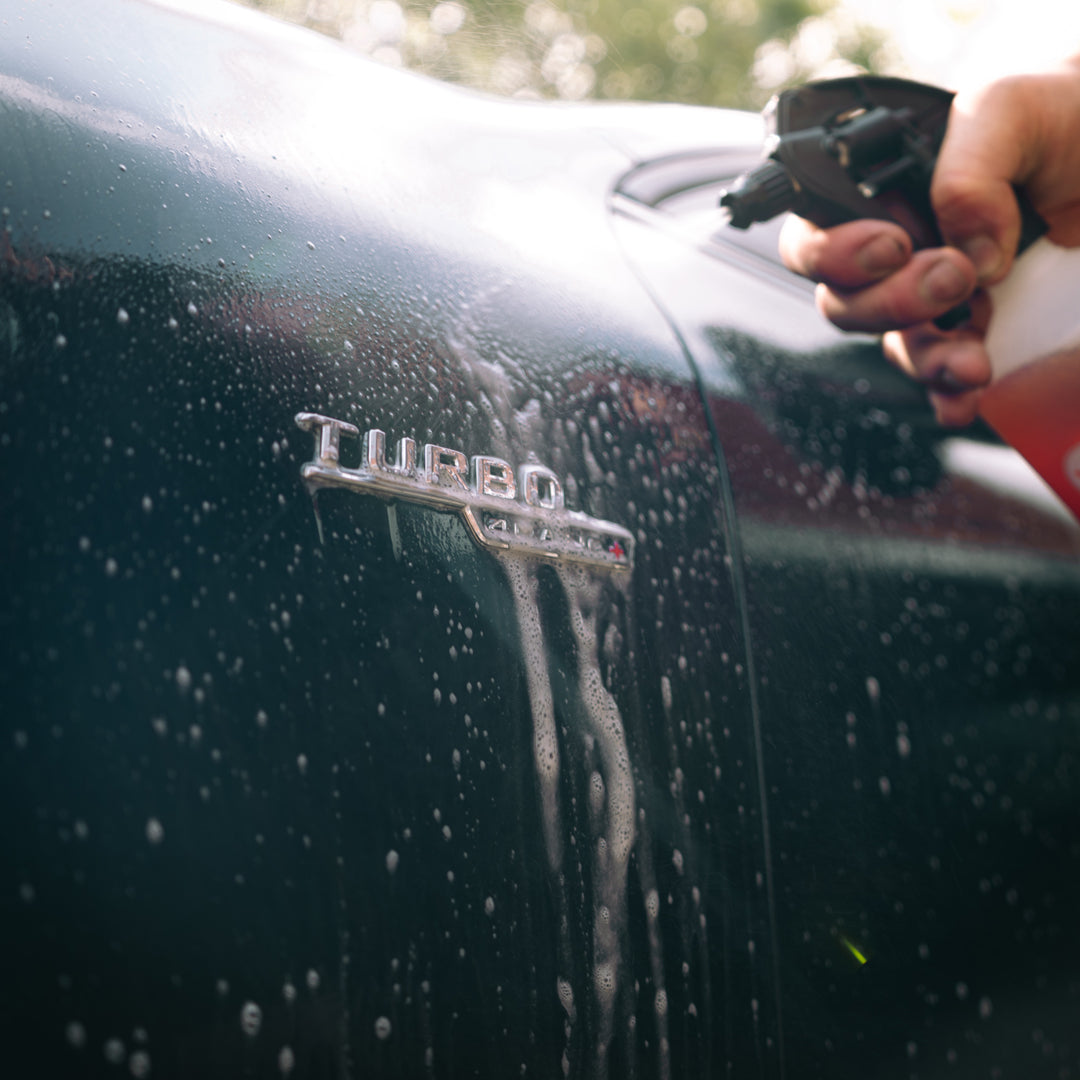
[523, 514]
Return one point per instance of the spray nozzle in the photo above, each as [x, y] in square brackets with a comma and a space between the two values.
[760, 194]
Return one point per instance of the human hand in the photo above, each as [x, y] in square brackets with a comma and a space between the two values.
[1022, 130]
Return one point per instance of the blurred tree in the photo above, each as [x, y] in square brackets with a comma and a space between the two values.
[712, 52]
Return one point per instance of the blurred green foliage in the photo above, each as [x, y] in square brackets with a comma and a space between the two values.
[710, 52]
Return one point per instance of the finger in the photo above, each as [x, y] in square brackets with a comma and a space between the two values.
[954, 367]
[945, 363]
[846, 256]
[951, 360]
[1020, 130]
[985, 151]
[929, 284]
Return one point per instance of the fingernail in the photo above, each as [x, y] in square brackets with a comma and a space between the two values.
[882, 255]
[985, 254]
[944, 283]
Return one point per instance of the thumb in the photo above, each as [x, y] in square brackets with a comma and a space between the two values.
[1024, 131]
[987, 148]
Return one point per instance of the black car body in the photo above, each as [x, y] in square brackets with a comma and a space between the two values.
[465, 618]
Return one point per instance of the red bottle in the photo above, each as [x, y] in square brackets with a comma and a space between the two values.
[1033, 401]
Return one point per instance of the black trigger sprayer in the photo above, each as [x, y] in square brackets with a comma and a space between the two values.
[857, 147]
[866, 147]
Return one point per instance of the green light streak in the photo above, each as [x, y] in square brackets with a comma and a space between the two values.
[854, 950]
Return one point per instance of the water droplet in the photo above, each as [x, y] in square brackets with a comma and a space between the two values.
[183, 679]
[652, 903]
[489, 906]
[382, 1028]
[122, 317]
[75, 1034]
[604, 980]
[392, 859]
[986, 1008]
[286, 1060]
[312, 979]
[114, 1051]
[155, 832]
[192, 310]
[250, 1019]
[566, 996]
[139, 1064]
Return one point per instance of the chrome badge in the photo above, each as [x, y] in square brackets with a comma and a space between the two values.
[520, 514]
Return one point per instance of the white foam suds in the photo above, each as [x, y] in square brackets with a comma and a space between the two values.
[598, 724]
[615, 825]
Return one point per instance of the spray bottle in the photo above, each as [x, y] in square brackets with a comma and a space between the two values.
[865, 147]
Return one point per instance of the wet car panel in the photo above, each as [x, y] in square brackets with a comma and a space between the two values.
[917, 759]
[302, 779]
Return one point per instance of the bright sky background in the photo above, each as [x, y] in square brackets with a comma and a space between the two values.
[960, 42]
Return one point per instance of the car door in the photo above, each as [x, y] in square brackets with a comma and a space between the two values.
[912, 618]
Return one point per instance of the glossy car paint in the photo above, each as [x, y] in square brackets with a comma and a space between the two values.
[912, 613]
[300, 787]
